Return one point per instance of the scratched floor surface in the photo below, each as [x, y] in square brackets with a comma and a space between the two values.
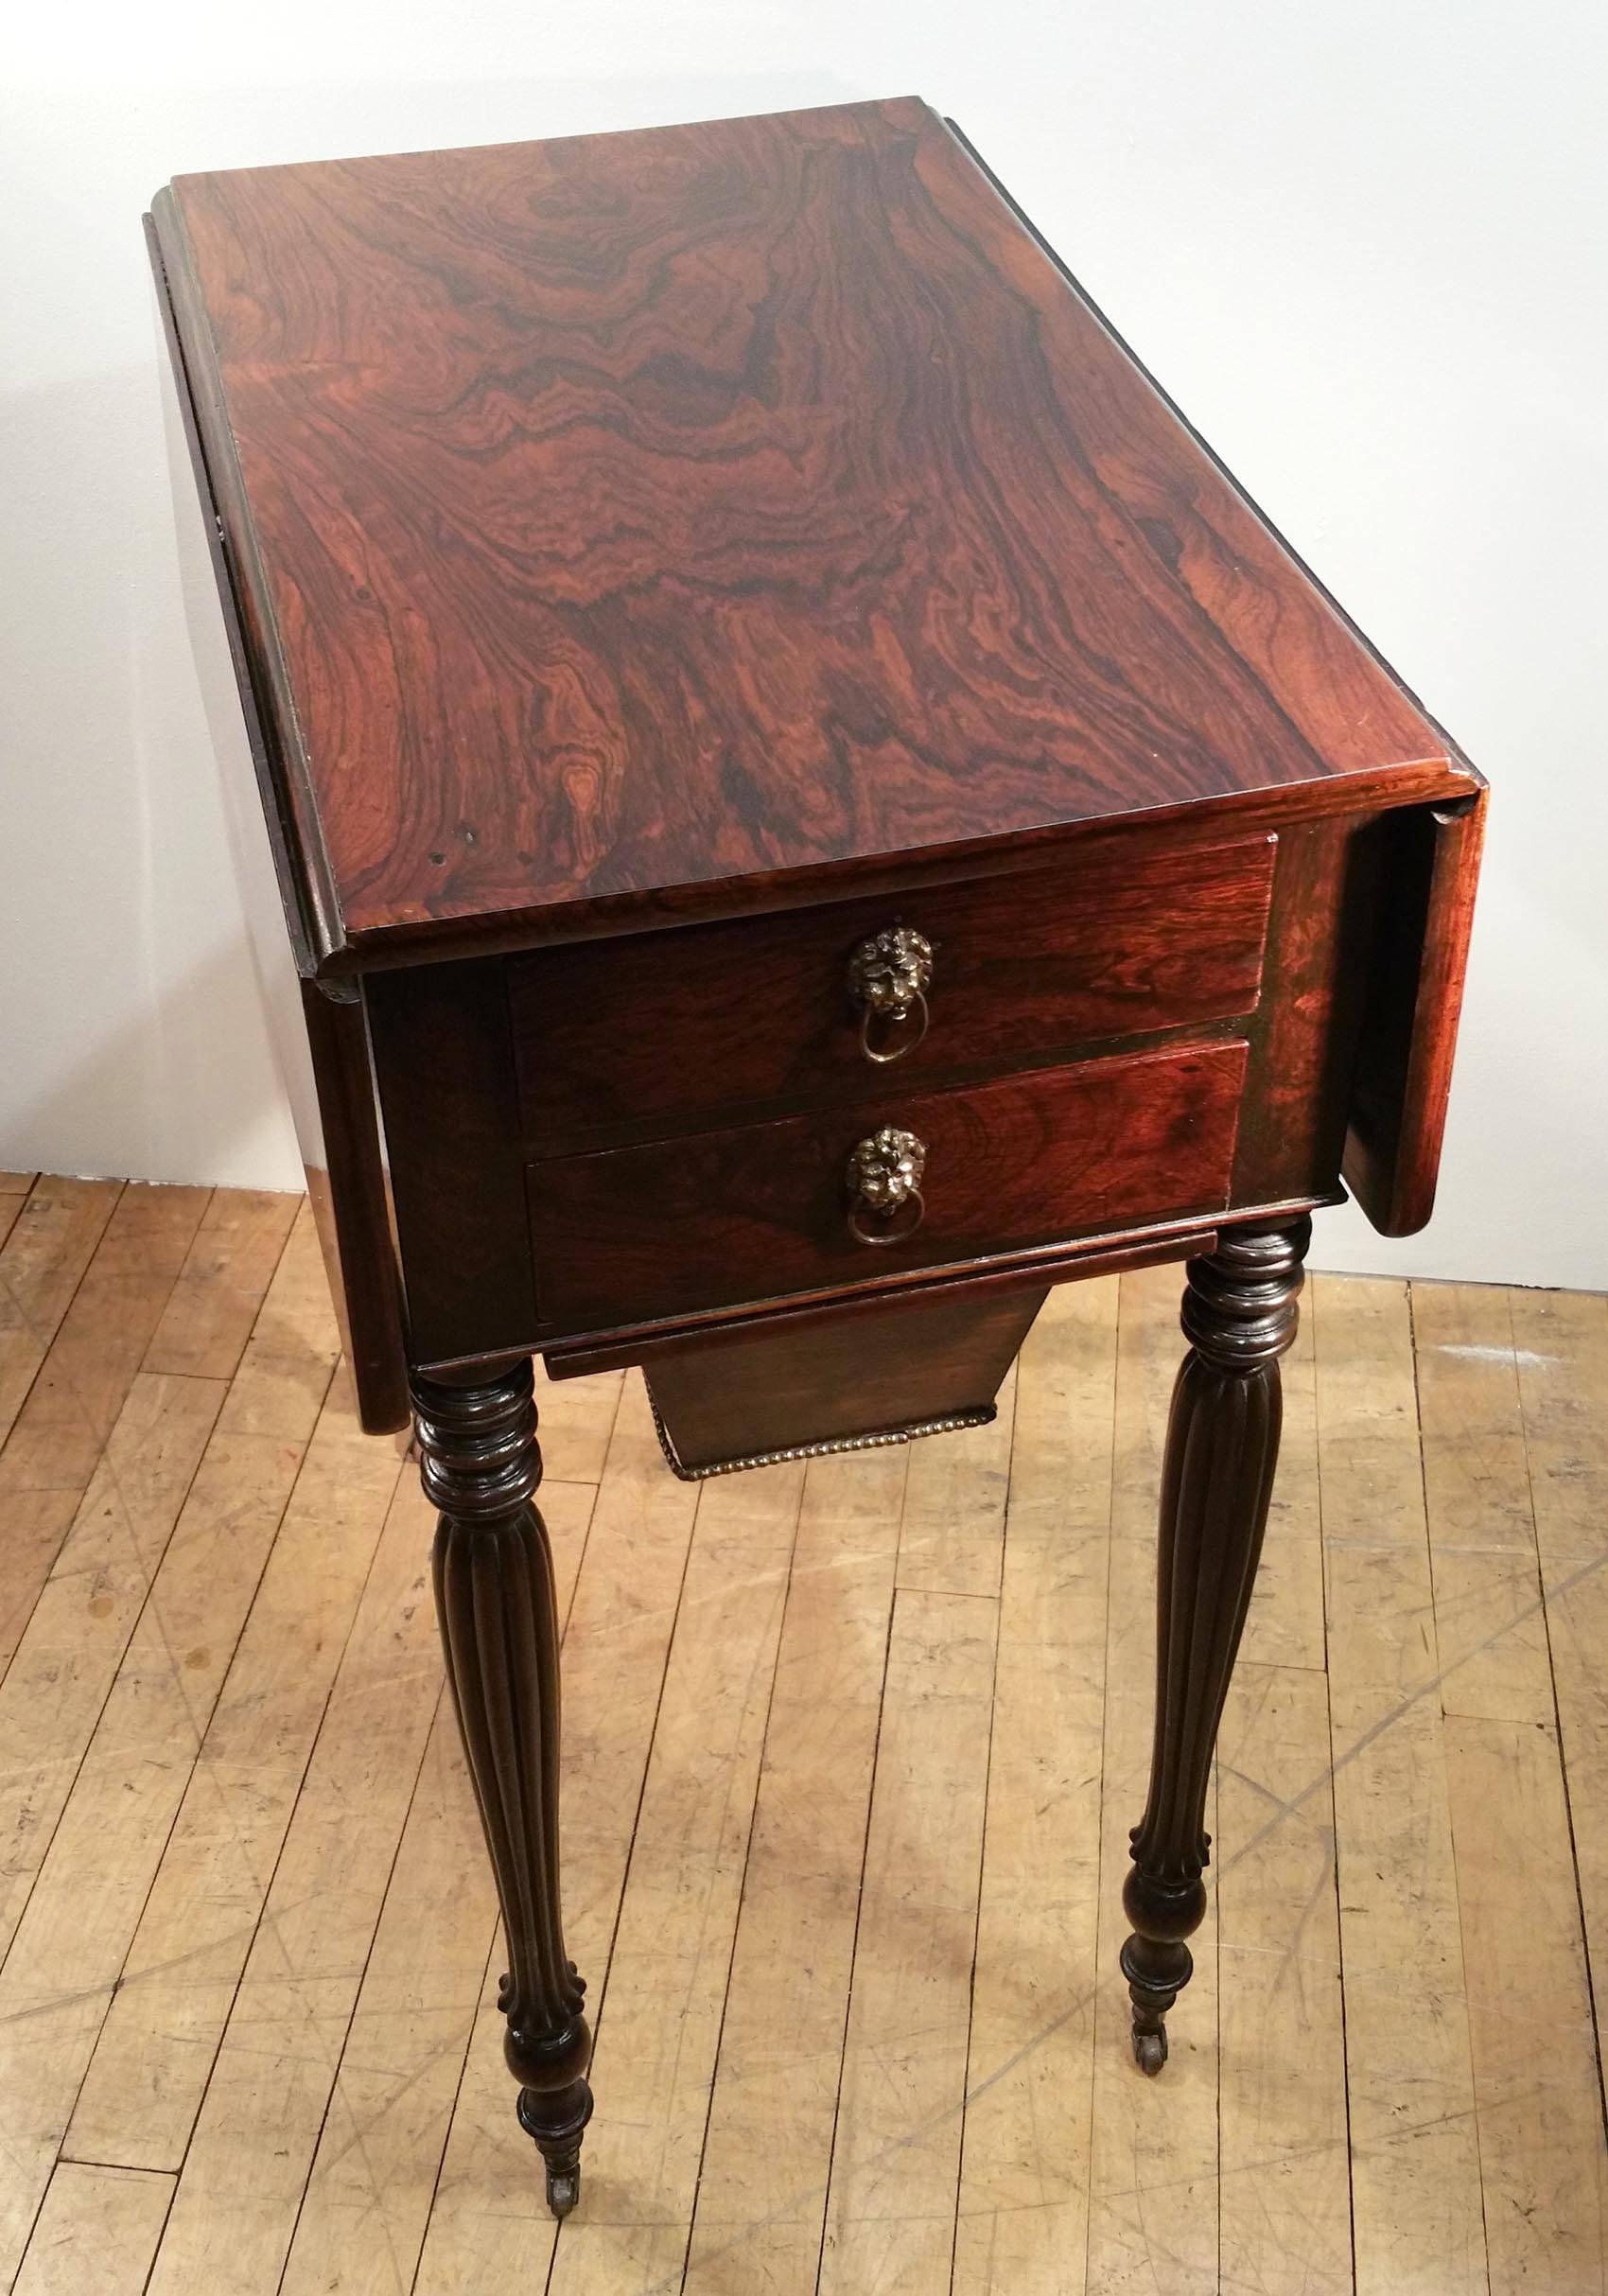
[851, 1753]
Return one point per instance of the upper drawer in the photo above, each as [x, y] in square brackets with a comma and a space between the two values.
[646, 1036]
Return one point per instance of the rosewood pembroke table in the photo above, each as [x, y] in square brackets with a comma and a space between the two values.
[808, 807]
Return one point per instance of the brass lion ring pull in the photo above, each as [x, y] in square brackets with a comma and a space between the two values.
[888, 978]
[884, 1183]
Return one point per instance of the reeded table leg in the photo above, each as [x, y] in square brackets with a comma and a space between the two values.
[1239, 1315]
[500, 1631]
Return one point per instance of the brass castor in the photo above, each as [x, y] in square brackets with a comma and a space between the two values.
[1150, 2049]
[563, 2189]
[561, 2153]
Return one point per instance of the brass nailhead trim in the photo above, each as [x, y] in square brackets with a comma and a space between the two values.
[879, 1441]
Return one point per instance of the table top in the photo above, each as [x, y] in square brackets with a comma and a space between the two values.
[631, 525]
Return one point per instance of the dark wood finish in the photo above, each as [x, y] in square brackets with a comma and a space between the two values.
[891, 1365]
[629, 516]
[650, 565]
[716, 1021]
[266, 713]
[319, 1045]
[762, 1211]
[577, 1359]
[1286, 657]
[346, 1184]
[1398, 1113]
[445, 1086]
[493, 1593]
[1304, 1035]
[442, 1048]
[1239, 1317]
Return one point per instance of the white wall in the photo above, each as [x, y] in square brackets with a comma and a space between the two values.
[1363, 246]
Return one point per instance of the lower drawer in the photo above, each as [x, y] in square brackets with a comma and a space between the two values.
[764, 1211]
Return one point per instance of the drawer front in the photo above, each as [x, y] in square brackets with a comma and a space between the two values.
[632, 1038]
[723, 1218]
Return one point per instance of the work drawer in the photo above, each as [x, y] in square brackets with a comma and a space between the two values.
[718, 1218]
[681, 1030]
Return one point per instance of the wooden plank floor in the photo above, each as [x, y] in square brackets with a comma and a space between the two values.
[851, 1753]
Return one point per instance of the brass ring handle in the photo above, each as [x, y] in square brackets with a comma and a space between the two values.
[906, 1041]
[884, 1183]
[890, 1235]
[888, 978]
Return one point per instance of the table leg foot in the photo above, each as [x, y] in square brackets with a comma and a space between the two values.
[543, 2117]
[494, 1590]
[1239, 1315]
[1156, 1974]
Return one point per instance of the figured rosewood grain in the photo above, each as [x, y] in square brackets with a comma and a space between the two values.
[626, 515]
[752, 1213]
[265, 709]
[1398, 1112]
[840, 1374]
[319, 1045]
[630, 1039]
[1311, 660]
[1239, 1317]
